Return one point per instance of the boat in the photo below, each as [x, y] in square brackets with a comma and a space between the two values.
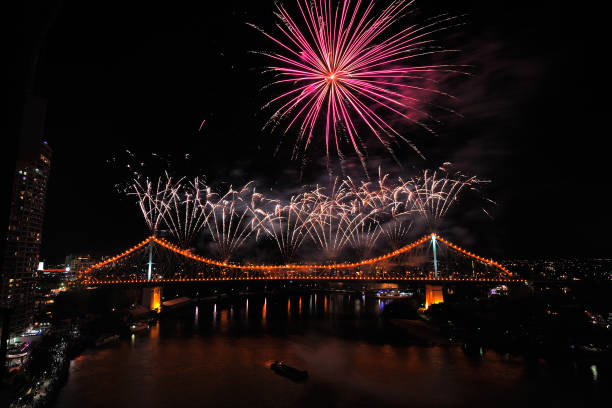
[292, 373]
[393, 294]
[138, 326]
[106, 339]
[176, 303]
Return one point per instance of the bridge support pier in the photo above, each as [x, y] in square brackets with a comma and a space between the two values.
[151, 298]
[433, 294]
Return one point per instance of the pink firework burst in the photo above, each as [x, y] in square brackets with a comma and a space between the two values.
[349, 68]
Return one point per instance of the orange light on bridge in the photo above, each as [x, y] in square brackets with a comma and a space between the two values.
[343, 265]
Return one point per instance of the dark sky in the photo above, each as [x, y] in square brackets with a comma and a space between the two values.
[136, 75]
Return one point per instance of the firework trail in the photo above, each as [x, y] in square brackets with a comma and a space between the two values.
[336, 219]
[328, 221]
[397, 232]
[432, 195]
[186, 211]
[350, 68]
[348, 214]
[153, 198]
[231, 219]
[382, 201]
[364, 237]
[287, 224]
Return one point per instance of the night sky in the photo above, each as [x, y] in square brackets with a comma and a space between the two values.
[142, 76]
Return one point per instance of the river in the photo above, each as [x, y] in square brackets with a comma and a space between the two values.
[217, 354]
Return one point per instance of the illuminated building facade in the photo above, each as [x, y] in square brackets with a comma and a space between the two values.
[27, 208]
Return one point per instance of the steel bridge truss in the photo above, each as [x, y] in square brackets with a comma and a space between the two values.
[429, 258]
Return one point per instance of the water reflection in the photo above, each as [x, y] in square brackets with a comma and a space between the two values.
[154, 329]
[263, 311]
[205, 355]
[224, 320]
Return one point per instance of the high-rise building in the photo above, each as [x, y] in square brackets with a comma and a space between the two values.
[27, 208]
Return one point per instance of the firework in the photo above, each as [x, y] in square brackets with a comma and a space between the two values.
[153, 198]
[364, 236]
[397, 232]
[347, 214]
[231, 219]
[328, 221]
[185, 213]
[287, 224]
[339, 219]
[349, 68]
[432, 195]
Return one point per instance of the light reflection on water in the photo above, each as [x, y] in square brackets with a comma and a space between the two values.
[218, 354]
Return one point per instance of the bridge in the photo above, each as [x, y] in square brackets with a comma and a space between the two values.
[430, 259]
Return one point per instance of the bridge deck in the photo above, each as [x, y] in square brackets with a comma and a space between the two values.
[439, 280]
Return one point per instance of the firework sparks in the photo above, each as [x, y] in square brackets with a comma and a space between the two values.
[347, 214]
[432, 195]
[329, 220]
[364, 237]
[350, 69]
[397, 232]
[153, 198]
[231, 220]
[287, 224]
[186, 212]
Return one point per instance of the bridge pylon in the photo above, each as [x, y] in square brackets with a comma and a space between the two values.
[435, 255]
[150, 263]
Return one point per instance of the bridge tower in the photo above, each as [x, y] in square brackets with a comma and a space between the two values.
[435, 255]
[150, 268]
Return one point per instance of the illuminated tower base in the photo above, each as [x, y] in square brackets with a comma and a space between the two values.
[151, 298]
[433, 295]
